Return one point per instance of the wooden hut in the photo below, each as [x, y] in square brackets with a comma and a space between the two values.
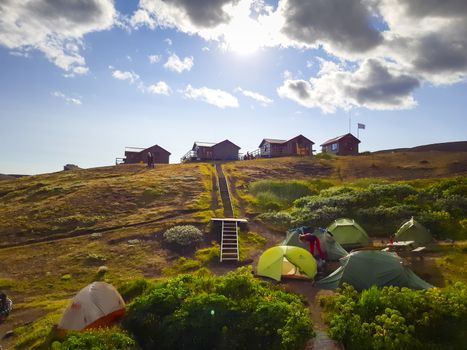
[297, 146]
[208, 151]
[134, 155]
[342, 145]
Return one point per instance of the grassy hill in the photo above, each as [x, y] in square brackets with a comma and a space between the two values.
[58, 230]
[82, 201]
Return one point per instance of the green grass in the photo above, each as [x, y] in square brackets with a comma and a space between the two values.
[6, 283]
[39, 334]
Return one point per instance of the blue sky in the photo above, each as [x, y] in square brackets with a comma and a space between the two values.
[81, 80]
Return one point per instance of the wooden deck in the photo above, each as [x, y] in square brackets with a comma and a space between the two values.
[229, 219]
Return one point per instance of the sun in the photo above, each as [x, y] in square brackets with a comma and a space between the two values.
[243, 36]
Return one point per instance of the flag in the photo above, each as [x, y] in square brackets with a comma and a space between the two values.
[361, 126]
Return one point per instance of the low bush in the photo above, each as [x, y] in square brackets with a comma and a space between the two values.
[398, 318]
[274, 195]
[134, 288]
[325, 156]
[235, 311]
[183, 236]
[440, 205]
[280, 221]
[102, 339]
[209, 254]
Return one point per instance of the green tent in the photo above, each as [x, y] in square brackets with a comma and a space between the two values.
[366, 268]
[330, 247]
[348, 233]
[414, 231]
[287, 261]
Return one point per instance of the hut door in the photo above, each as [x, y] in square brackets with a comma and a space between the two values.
[301, 150]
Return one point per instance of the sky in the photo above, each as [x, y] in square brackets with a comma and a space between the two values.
[82, 79]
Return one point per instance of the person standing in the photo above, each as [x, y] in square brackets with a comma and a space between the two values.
[315, 246]
[315, 249]
[150, 160]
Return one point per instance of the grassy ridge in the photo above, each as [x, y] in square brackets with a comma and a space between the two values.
[97, 198]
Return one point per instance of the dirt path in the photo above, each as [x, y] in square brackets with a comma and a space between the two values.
[312, 294]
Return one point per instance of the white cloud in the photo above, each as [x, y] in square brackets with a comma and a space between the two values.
[175, 64]
[142, 17]
[287, 74]
[205, 49]
[376, 84]
[216, 97]
[20, 53]
[161, 88]
[255, 96]
[71, 100]
[122, 75]
[154, 58]
[55, 28]
[168, 41]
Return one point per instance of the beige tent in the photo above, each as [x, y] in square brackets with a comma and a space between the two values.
[96, 305]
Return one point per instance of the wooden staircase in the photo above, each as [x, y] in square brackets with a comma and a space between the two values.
[229, 241]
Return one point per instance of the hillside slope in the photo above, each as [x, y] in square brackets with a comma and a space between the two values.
[107, 223]
[96, 199]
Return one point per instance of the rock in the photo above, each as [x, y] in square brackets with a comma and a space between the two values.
[8, 334]
[70, 167]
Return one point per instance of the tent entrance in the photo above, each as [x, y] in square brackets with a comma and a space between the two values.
[290, 270]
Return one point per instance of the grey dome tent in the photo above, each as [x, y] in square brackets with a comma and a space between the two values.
[330, 247]
[414, 231]
[348, 233]
[365, 268]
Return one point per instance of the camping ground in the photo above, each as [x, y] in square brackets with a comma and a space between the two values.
[61, 231]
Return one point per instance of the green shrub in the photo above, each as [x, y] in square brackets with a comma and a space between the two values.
[320, 217]
[103, 339]
[382, 207]
[280, 221]
[274, 195]
[182, 265]
[325, 156]
[183, 236]
[398, 318]
[134, 288]
[208, 255]
[268, 201]
[201, 311]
